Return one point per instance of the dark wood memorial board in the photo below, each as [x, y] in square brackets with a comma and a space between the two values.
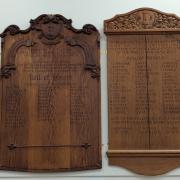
[50, 97]
[144, 91]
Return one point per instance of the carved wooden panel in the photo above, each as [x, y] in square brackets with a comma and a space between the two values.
[50, 97]
[144, 91]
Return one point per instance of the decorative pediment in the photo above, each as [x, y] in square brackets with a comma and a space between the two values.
[143, 19]
[51, 26]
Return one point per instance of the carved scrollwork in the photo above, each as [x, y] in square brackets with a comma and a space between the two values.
[51, 27]
[88, 29]
[59, 19]
[15, 47]
[95, 70]
[144, 19]
[90, 63]
[13, 30]
[6, 70]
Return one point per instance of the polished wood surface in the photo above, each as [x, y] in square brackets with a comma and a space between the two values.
[50, 97]
[144, 91]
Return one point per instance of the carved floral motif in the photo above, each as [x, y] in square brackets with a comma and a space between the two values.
[142, 19]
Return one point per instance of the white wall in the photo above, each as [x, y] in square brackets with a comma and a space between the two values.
[82, 12]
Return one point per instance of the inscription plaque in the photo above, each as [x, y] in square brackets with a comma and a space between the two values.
[50, 97]
[144, 91]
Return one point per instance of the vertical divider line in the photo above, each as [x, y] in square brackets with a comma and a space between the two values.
[147, 87]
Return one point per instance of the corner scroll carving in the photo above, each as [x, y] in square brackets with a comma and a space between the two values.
[6, 70]
[95, 70]
[143, 19]
[13, 30]
[90, 63]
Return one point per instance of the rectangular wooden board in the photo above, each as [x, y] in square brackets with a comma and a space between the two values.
[144, 91]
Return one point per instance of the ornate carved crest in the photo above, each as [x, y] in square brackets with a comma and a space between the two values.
[143, 19]
[51, 27]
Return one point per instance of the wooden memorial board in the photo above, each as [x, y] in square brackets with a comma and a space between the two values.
[144, 91]
[50, 97]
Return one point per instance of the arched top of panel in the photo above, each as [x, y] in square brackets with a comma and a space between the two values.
[142, 20]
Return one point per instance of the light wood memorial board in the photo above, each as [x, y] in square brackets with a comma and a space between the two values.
[144, 91]
[50, 97]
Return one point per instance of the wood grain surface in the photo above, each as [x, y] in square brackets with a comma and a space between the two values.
[50, 97]
[144, 91]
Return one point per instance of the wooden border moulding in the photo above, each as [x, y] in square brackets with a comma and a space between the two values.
[50, 97]
[143, 48]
